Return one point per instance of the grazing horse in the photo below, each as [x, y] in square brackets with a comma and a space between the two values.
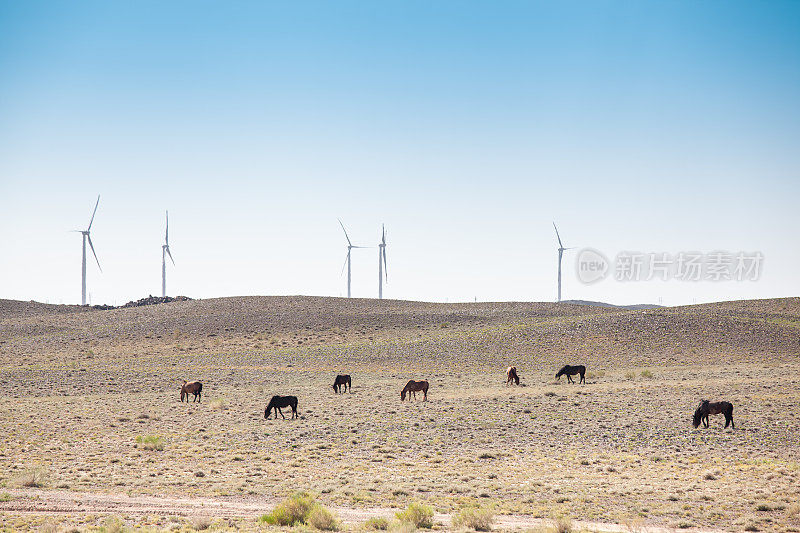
[571, 371]
[412, 387]
[708, 408]
[342, 380]
[193, 387]
[279, 402]
[511, 375]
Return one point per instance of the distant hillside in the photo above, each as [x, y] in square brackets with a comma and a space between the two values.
[491, 332]
[633, 307]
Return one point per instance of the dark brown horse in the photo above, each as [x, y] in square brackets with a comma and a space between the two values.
[511, 375]
[713, 408]
[342, 380]
[571, 371]
[412, 387]
[279, 402]
[193, 387]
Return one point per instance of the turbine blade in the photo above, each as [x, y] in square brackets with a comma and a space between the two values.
[93, 252]
[557, 235]
[170, 255]
[166, 234]
[383, 234]
[93, 213]
[345, 232]
[346, 259]
[385, 268]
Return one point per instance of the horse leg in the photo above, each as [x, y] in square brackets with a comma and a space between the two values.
[425, 398]
[583, 378]
[569, 379]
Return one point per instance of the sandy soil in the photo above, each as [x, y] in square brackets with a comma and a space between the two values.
[81, 387]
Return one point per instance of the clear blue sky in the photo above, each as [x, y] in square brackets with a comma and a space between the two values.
[466, 127]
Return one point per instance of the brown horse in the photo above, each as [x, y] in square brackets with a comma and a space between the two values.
[279, 402]
[412, 387]
[511, 375]
[713, 408]
[571, 371]
[342, 380]
[193, 387]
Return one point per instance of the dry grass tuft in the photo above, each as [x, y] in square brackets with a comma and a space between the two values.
[376, 524]
[150, 442]
[322, 519]
[31, 478]
[201, 523]
[113, 524]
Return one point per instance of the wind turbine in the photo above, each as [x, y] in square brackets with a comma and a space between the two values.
[347, 261]
[164, 253]
[382, 269]
[87, 237]
[561, 250]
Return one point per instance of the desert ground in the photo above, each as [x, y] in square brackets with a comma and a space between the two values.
[93, 435]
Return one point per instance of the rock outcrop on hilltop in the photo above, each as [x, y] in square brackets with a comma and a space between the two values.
[150, 300]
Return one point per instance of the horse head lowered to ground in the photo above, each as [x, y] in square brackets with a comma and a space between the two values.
[279, 402]
[412, 387]
[192, 387]
[571, 371]
[713, 408]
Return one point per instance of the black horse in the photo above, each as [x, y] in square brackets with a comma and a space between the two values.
[571, 371]
[278, 402]
[713, 408]
[342, 380]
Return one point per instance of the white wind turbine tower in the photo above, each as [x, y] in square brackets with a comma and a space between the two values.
[347, 261]
[164, 253]
[86, 237]
[561, 250]
[382, 269]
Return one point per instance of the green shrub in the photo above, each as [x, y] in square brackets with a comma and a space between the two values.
[150, 442]
[630, 375]
[377, 524]
[417, 514]
[471, 518]
[298, 509]
[646, 374]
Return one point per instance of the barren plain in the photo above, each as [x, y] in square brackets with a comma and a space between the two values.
[91, 425]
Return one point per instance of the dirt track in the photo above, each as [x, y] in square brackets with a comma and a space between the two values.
[63, 502]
